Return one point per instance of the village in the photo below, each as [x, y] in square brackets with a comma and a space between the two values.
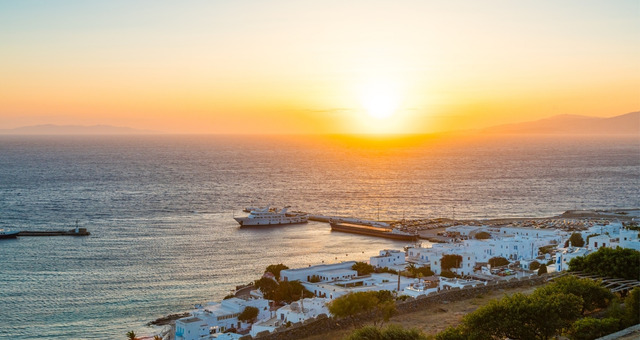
[473, 255]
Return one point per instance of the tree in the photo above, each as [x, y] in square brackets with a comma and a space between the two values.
[249, 314]
[534, 265]
[289, 291]
[452, 333]
[523, 316]
[576, 240]
[275, 269]
[450, 261]
[632, 308]
[419, 271]
[380, 303]
[131, 335]
[617, 263]
[498, 261]
[593, 295]
[363, 268]
[392, 332]
[591, 328]
[483, 235]
[267, 286]
[448, 274]
[542, 269]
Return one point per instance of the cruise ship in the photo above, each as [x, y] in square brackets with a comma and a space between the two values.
[266, 217]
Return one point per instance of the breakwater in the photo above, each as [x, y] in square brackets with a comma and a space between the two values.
[71, 232]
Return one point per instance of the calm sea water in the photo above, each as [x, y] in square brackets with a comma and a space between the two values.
[160, 211]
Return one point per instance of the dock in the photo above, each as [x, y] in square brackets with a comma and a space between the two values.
[70, 232]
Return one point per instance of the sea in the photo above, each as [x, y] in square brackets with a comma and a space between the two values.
[160, 211]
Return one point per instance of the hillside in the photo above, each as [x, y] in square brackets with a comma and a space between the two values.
[626, 124]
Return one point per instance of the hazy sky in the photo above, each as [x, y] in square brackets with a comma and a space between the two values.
[315, 66]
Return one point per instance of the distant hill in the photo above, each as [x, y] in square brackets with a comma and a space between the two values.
[626, 124]
[51, 129]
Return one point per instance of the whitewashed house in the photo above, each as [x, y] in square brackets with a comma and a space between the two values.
[323, 272]
[600, 241]
[303, 309]
[216, 317]
[388, 258]
[565, 255]
[373, 282]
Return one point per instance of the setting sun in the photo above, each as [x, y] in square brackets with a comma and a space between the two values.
[379, 100]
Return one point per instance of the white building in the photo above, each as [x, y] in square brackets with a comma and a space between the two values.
[420, 287]
[216, 317]
[565, 255]
[533, 232]
[600, 241]
[464, 230]
[297, 311]
[373, 282]
[388, 258]
[323, 272]
[303, 309]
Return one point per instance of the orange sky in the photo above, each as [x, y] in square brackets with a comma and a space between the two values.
[315, 67]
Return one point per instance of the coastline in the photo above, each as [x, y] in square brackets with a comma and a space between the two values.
[429, 229]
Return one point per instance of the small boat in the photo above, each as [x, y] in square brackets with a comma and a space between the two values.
[267, 216]
[4, 234]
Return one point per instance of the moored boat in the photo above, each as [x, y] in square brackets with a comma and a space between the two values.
[391, 233]
[4, 234]
[266, 217]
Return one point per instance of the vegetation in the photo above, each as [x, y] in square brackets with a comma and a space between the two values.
[576, 240]
[131, 335]
[423, 271]
[498, 261]
[547, 312]
[380, 303]
[542, 269]
[363, 268]
[392, 332]
[483, 235]
[591, 328]
[546, 249]
[593, 295]
[249, 314]
[534, 265]
[617, 263]
[450, 261]
[275, 269]
[590, 236]
[284, 291]
[448, 274]
[386, 270]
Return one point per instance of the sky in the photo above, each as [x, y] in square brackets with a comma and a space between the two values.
[300, 67]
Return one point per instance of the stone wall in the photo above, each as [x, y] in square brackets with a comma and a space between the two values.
[323, 324]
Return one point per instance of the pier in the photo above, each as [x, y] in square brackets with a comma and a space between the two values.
[71, 232]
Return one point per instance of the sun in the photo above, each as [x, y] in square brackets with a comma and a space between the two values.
[379, 100]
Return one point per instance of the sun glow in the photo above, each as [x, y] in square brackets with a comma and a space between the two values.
[379, 100]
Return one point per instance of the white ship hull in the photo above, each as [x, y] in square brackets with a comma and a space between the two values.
[265, 217]
[246, 221]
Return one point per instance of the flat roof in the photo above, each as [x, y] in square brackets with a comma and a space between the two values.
[191, 320]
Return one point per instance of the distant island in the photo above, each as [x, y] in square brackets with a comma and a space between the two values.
[51, 129]
[626, 124]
